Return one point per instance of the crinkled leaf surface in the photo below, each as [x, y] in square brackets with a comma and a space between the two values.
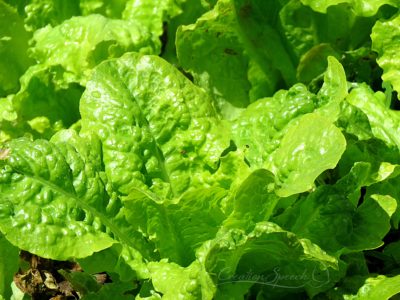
[80, 43]
[45, 103]
[384, 122]
[112, 8]
[159, 131]
[39, 13]
[152, 13]
[385, 40]
[249, 130]
[292, 134]
[53, 198]
[175, 282]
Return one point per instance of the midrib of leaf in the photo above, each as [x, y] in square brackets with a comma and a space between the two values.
[169, 224]
[104, 219]
[161, 159]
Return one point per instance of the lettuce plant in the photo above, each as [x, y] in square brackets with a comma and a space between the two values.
[193, 149]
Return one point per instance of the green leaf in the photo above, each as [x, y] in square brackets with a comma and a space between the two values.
[80, 43]
[354, 121]
[383, 121]
[254, 201]
[256, 257]
[175, 282]
[118, 259]
[334, 88]
[292, 134]
[377, 288]
[384, 38]
[112, 8]
[9, 258]
[177, 230]
[249, 130]
[114, 290]
[313, 36]
[159, 131]
[45, 103]
[388, 189]
[314, 62]
[40, 13]
[308, 148]
[53, 197]
[360, 7]
[190, 11]
[152, 13]
[82, 282]
[332, 217]
[262, 38]
[216, 39]
[13, 49]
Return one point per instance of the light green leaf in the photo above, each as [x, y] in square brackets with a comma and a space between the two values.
[152, 13]
[159, 131]
[292, 135]
[334, 88]
[53, 198]
[384, 122]
[9, 258]
[377, 288]
[249, 130]
[40, 13]
[385, 35]
[18, 294]
[176, 282]
[309, 147]
[360, 7]
[111, 8]
[44, 97]
[13, 49]
[80, 43]
[254, 201]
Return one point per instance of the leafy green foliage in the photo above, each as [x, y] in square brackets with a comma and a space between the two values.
[193, 149]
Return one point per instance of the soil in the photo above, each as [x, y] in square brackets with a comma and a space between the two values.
[40, 278]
